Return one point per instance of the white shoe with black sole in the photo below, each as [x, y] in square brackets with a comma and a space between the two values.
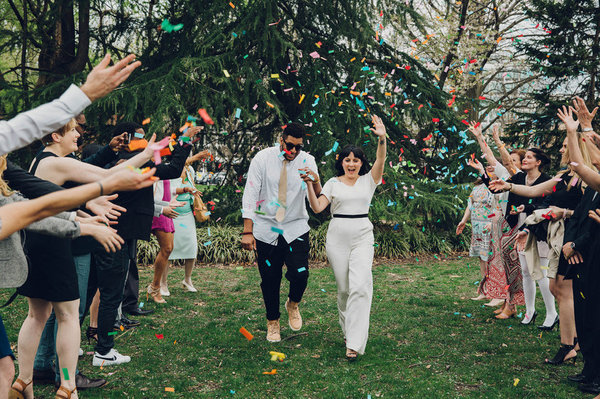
[111, 358]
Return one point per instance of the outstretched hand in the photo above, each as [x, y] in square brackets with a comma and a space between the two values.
[104, 79]
[497, 186]
[584, 116]
[474, 163]
[565, 114]
[379, 129]
[475, 128]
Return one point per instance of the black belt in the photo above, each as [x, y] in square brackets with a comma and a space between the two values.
[337, 215]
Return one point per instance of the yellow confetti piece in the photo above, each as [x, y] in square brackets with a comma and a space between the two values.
[274, 76]
[582, 294]
[169, 389]
[516, 382]
[226, 73]
[301, 99]
[353, 59]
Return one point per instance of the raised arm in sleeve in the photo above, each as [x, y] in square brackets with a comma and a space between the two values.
[32, 125]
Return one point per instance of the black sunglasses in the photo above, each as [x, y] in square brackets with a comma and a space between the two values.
[289, 146]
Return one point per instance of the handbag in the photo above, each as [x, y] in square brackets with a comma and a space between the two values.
[200, 210]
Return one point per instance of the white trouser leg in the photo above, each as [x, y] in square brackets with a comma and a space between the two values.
[339, 256]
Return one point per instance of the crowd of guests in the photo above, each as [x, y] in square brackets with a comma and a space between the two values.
[529, 227]
[69, 228]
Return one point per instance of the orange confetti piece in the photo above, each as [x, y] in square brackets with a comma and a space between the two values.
[270, 105]
[231, 4]
[301, 99]
[353, 59]
[246, 334]
[169, 389]
[137, 145]
[272, 372]
[146, 121]
[205, 117]
[355, 93]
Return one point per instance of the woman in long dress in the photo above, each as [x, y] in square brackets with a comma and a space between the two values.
[350, 238]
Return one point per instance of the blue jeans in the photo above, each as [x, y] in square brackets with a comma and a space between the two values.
[46, 352]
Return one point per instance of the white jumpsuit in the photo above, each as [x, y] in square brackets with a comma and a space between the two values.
[350, 250]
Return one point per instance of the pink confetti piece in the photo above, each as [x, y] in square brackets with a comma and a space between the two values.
[315, 55]
[574, 181]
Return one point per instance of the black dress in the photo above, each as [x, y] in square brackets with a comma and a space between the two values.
[52, 275]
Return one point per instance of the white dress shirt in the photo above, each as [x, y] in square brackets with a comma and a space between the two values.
[261, 193]
[32, 125]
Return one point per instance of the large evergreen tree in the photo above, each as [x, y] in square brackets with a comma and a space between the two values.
[567, 56]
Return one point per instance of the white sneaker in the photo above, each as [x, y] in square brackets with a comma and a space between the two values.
[112, 357]
[80, 352]
[164, 290]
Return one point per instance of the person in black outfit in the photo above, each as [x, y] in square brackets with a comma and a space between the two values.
[581, 250]
[111, 269]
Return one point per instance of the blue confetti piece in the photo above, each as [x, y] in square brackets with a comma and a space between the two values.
[141, 305]
[206, 213]
[238, 112]
[267, 262]
[299, 239]
[456, 313]
[276, 230]
[138, 135]
[323, 290]
[302, 269]
[182, 225]
[207, 243]
[208, 229]
[469, 315]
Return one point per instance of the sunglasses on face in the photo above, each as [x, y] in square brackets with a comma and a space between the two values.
[289, 146]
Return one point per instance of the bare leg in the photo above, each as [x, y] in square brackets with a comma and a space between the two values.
[189, 267]
[94, 310]
[67, 340]
[482, 270]
[29, 339]
[165, 240]
[7, 373]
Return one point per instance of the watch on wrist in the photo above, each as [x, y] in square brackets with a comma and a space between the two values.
[572, 245]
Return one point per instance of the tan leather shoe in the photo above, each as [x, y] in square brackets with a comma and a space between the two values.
[294, 318]
[273, 331]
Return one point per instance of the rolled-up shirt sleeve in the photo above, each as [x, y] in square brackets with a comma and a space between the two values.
[252, 188]
[32, 125]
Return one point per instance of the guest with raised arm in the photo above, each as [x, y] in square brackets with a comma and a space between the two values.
[581, 249]
[485, 212]
[350, 240]
[32, 125]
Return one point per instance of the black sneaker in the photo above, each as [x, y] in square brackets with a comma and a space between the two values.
[139, 312]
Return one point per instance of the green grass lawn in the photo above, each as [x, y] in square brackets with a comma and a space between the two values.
[419, 346]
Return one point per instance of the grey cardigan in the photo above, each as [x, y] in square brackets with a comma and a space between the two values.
[13, 263]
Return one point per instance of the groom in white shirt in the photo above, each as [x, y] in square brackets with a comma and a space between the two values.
[276, 222]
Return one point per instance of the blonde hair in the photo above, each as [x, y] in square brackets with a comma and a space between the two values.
[48, 140]
[587, 160]
[4, 189]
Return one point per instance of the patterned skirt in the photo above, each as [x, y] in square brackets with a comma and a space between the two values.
[512, 266]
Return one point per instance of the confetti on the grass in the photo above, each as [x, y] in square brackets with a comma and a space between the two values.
[246, 334]
[274, 371]
[516, 382]
[169, 389]
[159, 336]
[277, 356]
[141, 305]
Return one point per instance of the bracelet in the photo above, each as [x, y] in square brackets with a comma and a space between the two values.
[587, 129]
[246, 233]
[101, 189]
[510, 188]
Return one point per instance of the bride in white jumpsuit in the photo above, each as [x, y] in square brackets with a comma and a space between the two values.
[350, 240]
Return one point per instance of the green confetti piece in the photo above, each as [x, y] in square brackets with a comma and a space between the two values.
[112, 333]
[66, 373]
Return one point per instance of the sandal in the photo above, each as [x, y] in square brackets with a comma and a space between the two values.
[351, 355]
[15, 393]
[64, 391]
[155, 294]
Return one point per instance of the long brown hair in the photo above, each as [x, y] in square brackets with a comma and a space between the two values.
[4, 189]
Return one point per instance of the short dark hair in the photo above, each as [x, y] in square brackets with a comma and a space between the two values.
[129, 127]
[540, 156]
[358, 153]
[294, 129]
